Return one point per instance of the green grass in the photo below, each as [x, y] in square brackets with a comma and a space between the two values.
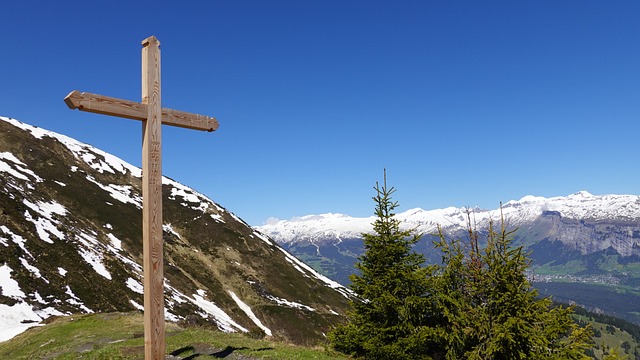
[609, 343]
[120, 336]
[610, 264]
[570, 267]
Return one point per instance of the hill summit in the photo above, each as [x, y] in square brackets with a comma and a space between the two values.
[71, 242]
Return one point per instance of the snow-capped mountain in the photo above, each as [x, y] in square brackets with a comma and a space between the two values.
[71, 241]
[575, 239]
[579, 206]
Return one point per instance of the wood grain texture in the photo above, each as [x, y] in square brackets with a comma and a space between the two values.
[154, 337]
[106, 105]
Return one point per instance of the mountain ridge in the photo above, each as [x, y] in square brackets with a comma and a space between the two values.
[578, 206]
[583, 248]
[71, 241]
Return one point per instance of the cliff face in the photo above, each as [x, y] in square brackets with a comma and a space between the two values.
[585, 235]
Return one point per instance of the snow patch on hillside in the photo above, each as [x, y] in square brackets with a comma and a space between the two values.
[16, 239]
[224, 321]
[90, 254]
[307, 271]
[247, 310]
[32, 269]
[8, 286]
[74, 300]
[45, 223]
[97, 159]
[168, 228]
[291, 304]
[16, 319]
[123, 193]
[135, 286]
[18, 170]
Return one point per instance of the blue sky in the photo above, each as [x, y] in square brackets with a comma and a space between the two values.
[465, 103]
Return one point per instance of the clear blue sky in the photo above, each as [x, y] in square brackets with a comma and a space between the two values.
[466, 103]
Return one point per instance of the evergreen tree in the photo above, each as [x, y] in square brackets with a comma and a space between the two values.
[478, 304]
[491, 309]
[392, 290]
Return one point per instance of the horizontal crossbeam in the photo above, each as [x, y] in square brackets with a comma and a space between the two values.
[106, 105]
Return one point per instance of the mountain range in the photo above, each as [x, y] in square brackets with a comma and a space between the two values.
[583, 248]
[71, 242]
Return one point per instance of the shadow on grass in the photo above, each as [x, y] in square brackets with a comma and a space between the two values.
[208, 351]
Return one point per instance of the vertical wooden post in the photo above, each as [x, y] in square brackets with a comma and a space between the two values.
[154, 342]
[152, 115]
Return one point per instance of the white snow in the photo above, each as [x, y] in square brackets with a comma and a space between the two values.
[39, 298]
[317, 226]
[247, 310]
[18, 170]
[217, 217]
[20, 316]
[32, 269]
[581, 205]
[16, 319]
[45, 223]
[135, 286]
[96, 158]
[119, 254]
[74, 300]
[9, 156]
[136, 305]
[89, 253]
[177, 296]
[168, 228]
[44, 227]
[47, 209]
[184, 193]
[193, 199]
[4, 167]
[170, 316]
[291, 304]
[299, 265]
[262, 237]
[8, 286]
[224, 321]
[123, 193]
[236, 218]
[17, 239]
[115, 242]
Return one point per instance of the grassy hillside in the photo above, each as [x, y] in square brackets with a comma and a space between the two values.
[120, 336]
[70, 238]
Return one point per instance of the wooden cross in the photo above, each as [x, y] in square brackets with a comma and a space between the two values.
[152, 115]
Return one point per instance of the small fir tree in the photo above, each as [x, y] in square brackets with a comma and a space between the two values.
[391, 288]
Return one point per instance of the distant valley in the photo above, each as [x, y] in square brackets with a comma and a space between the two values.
[584, 248]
